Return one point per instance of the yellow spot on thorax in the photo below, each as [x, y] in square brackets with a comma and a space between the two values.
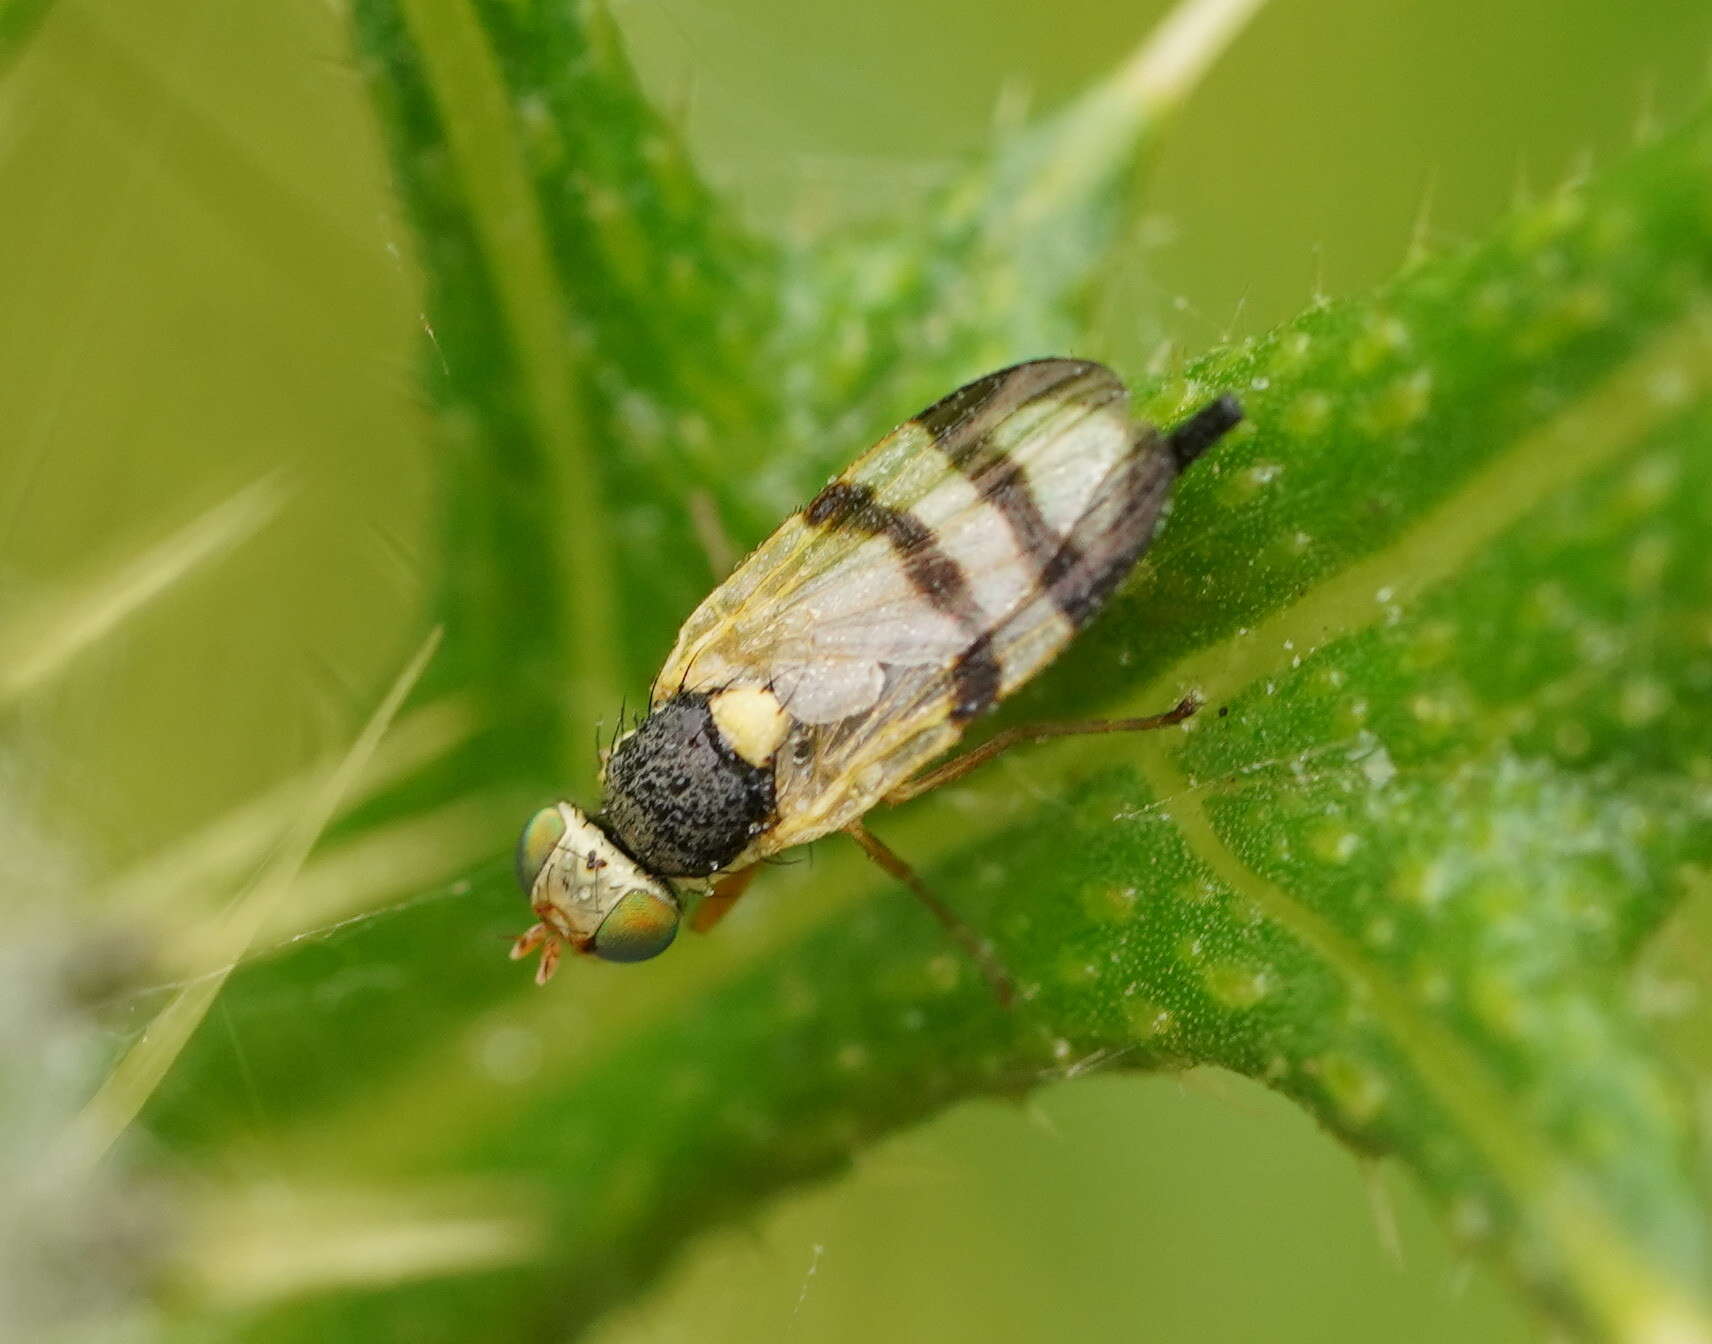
[751, 720]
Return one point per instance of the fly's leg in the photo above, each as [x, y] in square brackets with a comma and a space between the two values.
[970, 760]
[971, 942]
[542, 937]
[977, 948]
[718, 902]
[532, 939]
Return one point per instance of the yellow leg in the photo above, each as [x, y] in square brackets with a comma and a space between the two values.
[550, 944]
[718, 902]
[986, 961]
[962, 765]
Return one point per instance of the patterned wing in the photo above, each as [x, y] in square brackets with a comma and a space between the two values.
[940, 572]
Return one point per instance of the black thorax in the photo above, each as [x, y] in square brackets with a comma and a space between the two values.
[678, 798]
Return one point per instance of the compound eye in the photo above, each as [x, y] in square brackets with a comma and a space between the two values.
[541, 833]
[640, 926]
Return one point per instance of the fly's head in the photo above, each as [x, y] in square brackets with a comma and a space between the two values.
[588, 894]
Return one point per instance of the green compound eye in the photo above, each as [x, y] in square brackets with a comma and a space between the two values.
[540, 834]
[640, 926]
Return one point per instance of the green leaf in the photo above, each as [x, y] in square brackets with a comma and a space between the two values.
[19, 20]
[1443, 600]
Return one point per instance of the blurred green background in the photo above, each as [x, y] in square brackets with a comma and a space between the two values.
[203, 281]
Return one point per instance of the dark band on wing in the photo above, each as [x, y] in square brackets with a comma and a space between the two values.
[1079, 583]
[1003, 482]
[931, 572]
[962, 426]
[976, 678]
[973, 409]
